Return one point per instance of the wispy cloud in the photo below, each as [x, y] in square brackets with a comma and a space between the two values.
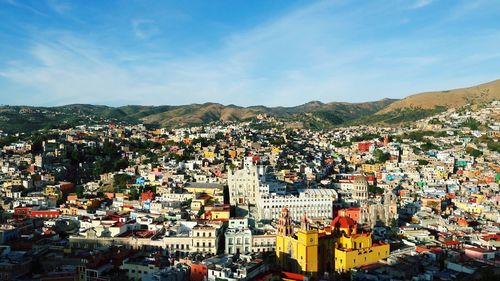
[316, 52]
[411, 61]
[144, 28]
[60, 7]
[420, 4]
[21, 5]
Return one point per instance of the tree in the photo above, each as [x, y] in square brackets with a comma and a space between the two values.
[120, 164]
[380, 156]
[428, 146]
[394, 223]
[472, 123]
[133, 193]
[375, 189]
[422, 162]
[473, 152]
[494, 146]
[79, 191]
[120, 181]
[363, 137]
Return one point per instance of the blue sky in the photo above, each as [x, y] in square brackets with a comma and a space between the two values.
[242, 52]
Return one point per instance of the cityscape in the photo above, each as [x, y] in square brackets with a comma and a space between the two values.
[299, 183]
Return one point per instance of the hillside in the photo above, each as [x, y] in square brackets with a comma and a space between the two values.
[312, 115]
[475, 95]
[196, 114]
[330, 113]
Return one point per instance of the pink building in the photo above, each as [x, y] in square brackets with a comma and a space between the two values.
[479, 254]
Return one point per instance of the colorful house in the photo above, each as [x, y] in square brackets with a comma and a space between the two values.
[338, 247]
[355, 249]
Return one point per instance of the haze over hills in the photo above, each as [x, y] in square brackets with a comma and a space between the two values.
[315, 114]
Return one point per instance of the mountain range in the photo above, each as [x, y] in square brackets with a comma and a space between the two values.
[315, 114]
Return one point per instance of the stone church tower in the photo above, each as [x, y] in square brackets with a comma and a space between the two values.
[360, 189]
[390, 206]
[380, 212]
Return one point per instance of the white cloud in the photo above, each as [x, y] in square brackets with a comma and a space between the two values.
[421, 3]
[314, 53]
[20, 5]
[60, 7]
[144, 28]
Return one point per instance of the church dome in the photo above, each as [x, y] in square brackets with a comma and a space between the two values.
[360, 180]
[343, 222]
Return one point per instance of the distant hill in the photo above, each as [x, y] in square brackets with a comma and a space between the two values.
[196, 114]
[314, 115]
[456, 98]
[418, 106]
[311, 115]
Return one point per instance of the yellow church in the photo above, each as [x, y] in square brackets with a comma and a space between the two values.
[312, 251]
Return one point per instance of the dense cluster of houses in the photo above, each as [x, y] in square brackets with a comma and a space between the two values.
[124, 202]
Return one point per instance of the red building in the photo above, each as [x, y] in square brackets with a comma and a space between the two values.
[45, 214]
[369, 178]
[147, 195]
[353, 213]
[22, 211]
[198, 272]
[34, 212]
[364, 146]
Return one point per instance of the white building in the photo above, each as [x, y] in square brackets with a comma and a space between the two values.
[317, 203]
[224, 268]
[243, 184]
[205, 238]
[263, 243]
[238, 237]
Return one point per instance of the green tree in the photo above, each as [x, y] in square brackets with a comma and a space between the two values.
[120, 182]
[79, 191]
[422, 162]
[473, 152]
[375, 189]
[133, 193]
[494, 146]
[380, 156]
[472, 123]
[394, 223]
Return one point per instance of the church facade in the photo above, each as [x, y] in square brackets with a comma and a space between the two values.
[337, 247]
